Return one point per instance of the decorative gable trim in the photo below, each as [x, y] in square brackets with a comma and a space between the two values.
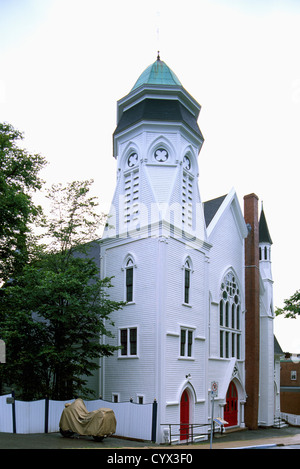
[230, 201]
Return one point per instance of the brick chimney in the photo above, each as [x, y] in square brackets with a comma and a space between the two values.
[252, 310]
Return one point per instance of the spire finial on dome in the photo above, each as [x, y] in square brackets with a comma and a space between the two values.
[158, 56]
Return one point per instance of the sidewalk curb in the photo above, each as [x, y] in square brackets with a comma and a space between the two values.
[256, 446]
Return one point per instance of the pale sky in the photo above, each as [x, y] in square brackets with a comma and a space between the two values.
[65, 63]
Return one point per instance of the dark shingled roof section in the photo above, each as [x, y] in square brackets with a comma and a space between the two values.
[158, 110]
[264, 235]
[211, 207]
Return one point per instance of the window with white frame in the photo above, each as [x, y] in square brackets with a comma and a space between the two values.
[129, 280]
[186, 342]
[230, 318]
[115, 397]
[293, 375]
[187, 269]
[128, 342]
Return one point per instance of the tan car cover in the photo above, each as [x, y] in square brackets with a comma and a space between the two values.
[77, 419]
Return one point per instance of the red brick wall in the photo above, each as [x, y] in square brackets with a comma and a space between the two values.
[252, 311]
[290, 402]
[289, 399]
[285, 373]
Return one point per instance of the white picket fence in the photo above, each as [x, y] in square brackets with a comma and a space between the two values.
[133, 420]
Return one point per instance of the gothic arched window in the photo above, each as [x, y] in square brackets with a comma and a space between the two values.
[230, 317]
[129, 279]
[187, 268]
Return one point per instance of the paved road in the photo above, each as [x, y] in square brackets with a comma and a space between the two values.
[273, 437]
[263, 438]
[56, 441]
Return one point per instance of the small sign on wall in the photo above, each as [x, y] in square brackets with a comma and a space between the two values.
[214, 389]
[2, 352]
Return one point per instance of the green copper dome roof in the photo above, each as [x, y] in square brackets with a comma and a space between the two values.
[157, 74]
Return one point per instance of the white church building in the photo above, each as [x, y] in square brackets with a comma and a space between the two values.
[196, 276]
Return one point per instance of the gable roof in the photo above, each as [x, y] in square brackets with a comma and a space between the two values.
[215, 208]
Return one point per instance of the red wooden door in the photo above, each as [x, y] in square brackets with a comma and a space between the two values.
[231, 408]
[184, 416]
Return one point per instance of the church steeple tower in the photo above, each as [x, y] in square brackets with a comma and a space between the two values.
[156, 144]
[267, 370]
[157, 248]
[265, 243]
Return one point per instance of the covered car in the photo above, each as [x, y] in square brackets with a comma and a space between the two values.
[75, 418]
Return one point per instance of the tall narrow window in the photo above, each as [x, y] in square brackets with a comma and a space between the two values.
[221, 344]
[238, 317]
[186, 286]
[190, 343]
[227, 314]
[238, 346]
[182, 342]
[133, 341]
[221, 313]
[187, 281]
[233, 345]
[227, 344]
[123, 341]
[129, 280]
[233, 316]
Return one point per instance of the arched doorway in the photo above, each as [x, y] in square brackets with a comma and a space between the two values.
[231, 408]
[184, 415]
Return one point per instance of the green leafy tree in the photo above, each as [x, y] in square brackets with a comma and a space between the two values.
[18, 180]
[291, 307]
[56, 310]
